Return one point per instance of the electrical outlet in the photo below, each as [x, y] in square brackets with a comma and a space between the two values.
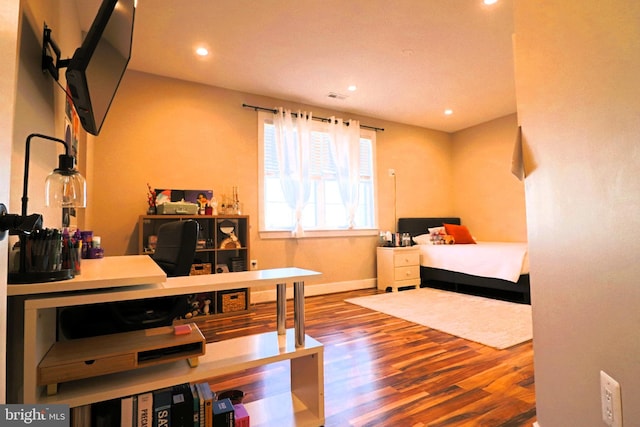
[611, 400]
[254, 264]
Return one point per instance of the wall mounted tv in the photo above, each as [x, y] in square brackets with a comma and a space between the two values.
[97, 66]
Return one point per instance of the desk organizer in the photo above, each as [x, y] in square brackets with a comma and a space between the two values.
[107, 354]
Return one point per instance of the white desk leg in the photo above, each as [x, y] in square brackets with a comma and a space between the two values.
[281, 303]
[39, 336]
[298, 312]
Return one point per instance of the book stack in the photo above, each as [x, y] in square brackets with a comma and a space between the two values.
[183, 405]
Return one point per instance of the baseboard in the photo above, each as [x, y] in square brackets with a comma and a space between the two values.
[269, 295]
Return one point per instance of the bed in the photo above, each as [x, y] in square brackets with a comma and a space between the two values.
[491, 269]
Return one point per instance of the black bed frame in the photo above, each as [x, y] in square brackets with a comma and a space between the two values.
[460, 282]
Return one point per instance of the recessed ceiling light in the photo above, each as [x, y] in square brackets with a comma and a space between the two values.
[490, 1]
[336, 95]
[352, 88]
[202, 51]
[448, 112]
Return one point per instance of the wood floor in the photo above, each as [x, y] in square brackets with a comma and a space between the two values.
[384, 371]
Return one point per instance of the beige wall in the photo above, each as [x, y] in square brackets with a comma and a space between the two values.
[488, 198]
[578, 103]
[175, 134]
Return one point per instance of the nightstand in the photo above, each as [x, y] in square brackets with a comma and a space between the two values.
[398, 267]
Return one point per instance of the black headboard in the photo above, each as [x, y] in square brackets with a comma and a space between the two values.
[418, 226]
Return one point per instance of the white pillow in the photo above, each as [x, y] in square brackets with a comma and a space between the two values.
[437, 230]
[423, 239]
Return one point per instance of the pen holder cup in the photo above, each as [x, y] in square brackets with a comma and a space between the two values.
[42, 260]
[43, 256]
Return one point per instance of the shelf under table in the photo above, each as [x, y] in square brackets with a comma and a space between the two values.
[304, 406]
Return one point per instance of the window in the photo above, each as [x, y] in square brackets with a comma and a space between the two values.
[323, 212]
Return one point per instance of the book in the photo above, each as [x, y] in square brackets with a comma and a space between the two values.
[126, 412]
[145, 409]
[106, 413]
[223, 413]
[135, 410]
[181, 406]
[162, 407]
[81, 416]
[206, 396]
[196, 406]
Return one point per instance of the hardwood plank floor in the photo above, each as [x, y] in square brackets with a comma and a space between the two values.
[384, 371]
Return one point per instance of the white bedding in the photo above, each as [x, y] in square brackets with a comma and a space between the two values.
[502, 260]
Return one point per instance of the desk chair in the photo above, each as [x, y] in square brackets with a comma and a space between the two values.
[176, 247]
[175, 251]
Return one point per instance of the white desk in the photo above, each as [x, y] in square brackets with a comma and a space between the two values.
[99, 273]
[137, 277]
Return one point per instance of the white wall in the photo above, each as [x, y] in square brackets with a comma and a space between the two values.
[577, 68]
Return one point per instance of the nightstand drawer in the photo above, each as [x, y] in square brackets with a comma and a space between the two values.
[406, 258]
[406, 273]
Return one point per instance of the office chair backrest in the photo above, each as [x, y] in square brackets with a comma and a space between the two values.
[176, 247]
[175, 251]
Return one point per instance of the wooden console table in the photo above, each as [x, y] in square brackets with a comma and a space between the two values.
[305, 402]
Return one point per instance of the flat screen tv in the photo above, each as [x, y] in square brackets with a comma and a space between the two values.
[97, 66]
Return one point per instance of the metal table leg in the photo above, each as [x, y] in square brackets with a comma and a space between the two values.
[281, 301]
[298, 312]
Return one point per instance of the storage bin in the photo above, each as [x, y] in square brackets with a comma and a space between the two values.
[197, 269]
[230, 301]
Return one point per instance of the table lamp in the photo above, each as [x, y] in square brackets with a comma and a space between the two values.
[65, 187]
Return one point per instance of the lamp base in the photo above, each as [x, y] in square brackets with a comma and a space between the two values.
[17, 278]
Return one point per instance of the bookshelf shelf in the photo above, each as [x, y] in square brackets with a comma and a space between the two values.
[305, 402]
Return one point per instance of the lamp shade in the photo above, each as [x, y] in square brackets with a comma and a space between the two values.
[65, 187]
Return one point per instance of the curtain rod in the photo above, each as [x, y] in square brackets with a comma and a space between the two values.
[322, 119]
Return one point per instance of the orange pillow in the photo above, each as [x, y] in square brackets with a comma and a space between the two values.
[460, 233]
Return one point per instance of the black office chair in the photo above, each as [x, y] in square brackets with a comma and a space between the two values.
[176, 247]
[175, 251]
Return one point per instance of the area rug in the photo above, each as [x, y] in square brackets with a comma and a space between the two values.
[494, 323]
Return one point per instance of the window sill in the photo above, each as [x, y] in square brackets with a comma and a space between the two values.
[314, 234]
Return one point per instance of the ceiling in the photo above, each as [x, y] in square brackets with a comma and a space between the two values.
[410, 59]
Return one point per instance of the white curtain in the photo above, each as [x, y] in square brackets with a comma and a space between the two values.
[292, 146]
[345, 149]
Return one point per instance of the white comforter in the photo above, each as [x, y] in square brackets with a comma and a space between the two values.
[500, 260]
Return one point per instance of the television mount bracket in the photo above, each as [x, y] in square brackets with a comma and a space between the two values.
[48, 62]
